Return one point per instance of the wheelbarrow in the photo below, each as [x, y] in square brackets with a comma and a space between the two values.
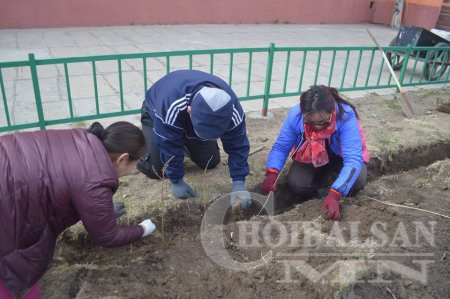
[435, 61]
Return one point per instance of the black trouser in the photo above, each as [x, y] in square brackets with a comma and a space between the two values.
[304, 179]
[203, 153]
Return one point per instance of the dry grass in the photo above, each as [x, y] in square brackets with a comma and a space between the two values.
[387, 131]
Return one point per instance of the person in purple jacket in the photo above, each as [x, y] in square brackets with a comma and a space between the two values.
[323, 134]
[49, 181]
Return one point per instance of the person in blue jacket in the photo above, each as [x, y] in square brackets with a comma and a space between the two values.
[322, 134]
[186, 111]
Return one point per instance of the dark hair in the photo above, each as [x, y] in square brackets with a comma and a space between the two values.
[121, 137]
[322, 98]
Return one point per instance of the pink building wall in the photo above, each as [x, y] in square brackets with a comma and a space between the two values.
[68, 13]
[73, 13]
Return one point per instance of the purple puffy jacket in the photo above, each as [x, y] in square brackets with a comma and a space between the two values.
[50, 180]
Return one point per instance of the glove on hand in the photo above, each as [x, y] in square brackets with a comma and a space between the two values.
[148, 227]
[330, 205]
[119, 209]
[239, 194]
[268, 185]
[182, 190]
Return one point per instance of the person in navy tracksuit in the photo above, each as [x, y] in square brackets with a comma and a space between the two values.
[186, 111]
[322, 133]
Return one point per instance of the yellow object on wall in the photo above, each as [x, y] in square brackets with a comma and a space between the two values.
[435, 3]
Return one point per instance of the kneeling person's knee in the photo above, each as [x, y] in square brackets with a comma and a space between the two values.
[209, 163]
[301, 190]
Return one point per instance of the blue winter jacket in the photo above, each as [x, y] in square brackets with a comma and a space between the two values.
[345, 142]
[166, 102]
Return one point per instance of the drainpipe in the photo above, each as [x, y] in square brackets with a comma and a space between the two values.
[397, 14]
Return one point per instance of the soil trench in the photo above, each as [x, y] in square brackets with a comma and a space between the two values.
[375, 251]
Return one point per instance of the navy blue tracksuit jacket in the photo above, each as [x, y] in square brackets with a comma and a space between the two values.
[166, 102]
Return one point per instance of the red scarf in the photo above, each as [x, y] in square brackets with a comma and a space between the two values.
[313, 150]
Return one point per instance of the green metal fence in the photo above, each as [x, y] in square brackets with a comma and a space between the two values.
[79, 88]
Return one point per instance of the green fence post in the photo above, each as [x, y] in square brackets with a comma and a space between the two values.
[405, 65]
[268, 78]
[5, 101]
[37, 92]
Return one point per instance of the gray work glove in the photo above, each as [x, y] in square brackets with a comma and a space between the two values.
[240, 195]
[182, 190]
[119, 209]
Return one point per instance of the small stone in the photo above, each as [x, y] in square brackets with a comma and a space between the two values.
[219, 292]
[415, 287]
[204, 276]
[164, 281]
[157, 256]
[263, 139]
[159, 266]
[151, 281]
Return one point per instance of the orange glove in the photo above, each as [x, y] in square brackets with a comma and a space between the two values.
[330, 205]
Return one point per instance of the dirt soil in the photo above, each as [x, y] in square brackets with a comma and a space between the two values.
[409, 166]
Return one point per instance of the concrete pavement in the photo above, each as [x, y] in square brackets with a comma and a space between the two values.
[15, 45]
